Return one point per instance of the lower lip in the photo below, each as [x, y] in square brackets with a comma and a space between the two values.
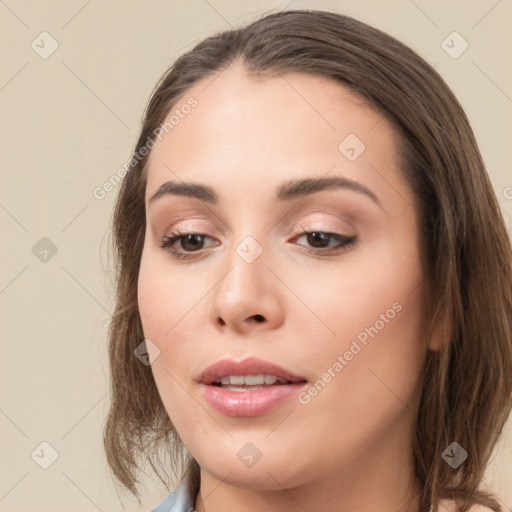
[250, 403]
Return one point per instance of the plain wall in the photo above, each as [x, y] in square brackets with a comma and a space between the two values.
[69, 122]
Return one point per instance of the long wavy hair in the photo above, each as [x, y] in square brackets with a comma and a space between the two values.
[466, 251]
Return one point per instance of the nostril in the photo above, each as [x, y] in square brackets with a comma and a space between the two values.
[259, 318]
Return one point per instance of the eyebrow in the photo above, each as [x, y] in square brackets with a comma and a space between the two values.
[289, 190]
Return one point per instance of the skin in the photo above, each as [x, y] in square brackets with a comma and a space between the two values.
[349, 447]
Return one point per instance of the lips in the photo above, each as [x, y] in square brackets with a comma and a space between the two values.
[221, 386]
[250, 366]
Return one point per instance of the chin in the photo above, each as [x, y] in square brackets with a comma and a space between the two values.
[271, 473]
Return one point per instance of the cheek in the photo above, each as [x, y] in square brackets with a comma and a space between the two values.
[169, 305]
[365, 291]
[375, 344]
[372, 341]
[368, 373]
[163, 295]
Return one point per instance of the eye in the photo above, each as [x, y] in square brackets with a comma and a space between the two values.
[321, 241]
[189, 242]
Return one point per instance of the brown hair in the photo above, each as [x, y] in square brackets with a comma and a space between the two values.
[467, 257]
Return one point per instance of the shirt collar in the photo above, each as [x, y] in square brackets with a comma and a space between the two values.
[179, 500]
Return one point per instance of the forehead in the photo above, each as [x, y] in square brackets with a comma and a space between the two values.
[247, 131]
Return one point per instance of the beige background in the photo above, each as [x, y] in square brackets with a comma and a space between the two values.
[69, 121]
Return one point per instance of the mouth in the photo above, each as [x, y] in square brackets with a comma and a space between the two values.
[241, 383]
[250, 387]
[248, 372]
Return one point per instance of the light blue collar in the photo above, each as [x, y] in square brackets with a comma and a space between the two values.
[178, 500]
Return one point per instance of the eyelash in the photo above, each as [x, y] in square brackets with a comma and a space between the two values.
[344, 243]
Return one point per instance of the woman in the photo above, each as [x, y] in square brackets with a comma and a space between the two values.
[314, 280]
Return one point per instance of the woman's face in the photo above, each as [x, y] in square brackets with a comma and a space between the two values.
[341, 309]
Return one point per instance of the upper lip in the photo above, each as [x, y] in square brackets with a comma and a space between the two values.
[249, 366]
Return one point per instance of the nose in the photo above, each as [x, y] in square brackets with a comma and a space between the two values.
[247, 297]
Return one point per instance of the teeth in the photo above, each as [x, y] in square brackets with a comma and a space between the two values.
[241, 390]
[236, 379]
[250, 380]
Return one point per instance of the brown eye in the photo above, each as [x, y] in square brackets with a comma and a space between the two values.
[192, 242]
[318, 240]
[182, 245]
